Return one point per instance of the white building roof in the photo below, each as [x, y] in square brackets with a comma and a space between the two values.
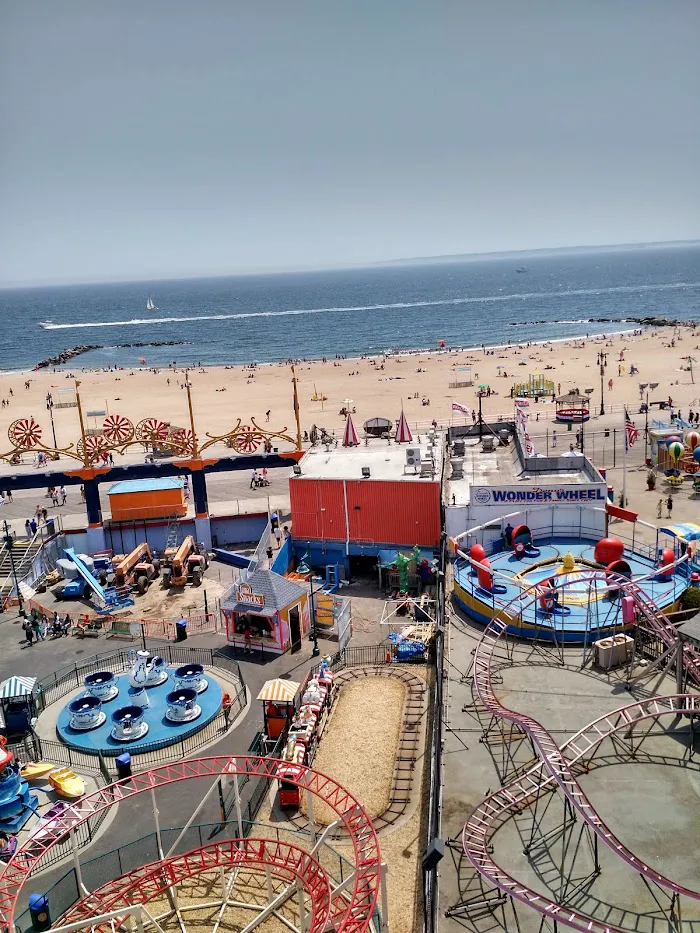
[386, 461]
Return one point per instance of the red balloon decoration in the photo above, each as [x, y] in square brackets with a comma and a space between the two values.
[608, 550]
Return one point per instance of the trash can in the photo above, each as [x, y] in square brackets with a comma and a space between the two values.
[611, 494]
[39, 912]
[181, 630]
[123, 763]
[50, 526]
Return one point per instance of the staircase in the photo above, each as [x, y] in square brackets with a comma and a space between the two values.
[173, 538]
[23, 552]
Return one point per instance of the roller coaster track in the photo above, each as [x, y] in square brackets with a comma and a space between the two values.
[556, 765]
[350, 914]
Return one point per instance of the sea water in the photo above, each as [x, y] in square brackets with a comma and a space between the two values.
[352, 312]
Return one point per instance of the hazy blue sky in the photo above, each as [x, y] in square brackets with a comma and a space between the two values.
[171, 137]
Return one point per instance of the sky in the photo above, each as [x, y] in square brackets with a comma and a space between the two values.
[168, 138]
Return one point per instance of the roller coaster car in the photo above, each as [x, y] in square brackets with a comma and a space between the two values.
[137, 569]
[184, 565]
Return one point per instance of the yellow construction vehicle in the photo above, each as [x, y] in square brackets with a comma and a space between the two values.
[186, 564]
[137, 569]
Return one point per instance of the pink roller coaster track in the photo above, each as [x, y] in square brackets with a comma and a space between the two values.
[556, 763]
[351, 915]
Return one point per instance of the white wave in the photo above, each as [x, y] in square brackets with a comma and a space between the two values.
[486, 299]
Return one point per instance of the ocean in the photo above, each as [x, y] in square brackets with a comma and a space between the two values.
[262, 318]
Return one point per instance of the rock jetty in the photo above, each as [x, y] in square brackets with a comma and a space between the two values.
[65, 355]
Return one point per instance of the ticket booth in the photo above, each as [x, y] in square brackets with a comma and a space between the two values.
[267, 612]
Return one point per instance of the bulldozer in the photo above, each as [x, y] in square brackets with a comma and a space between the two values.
[183, 565]
[137, 569]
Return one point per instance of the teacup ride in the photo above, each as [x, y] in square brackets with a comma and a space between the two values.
[129, 724]
[138, 696]
[86, 713]
[147, 670]
[191, 677]
[103, 685]
[182, 705]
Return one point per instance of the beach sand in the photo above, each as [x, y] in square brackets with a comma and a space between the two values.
[376, 388]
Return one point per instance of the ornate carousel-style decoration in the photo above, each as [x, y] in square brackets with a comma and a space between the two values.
[25, 432]
[25, 436]
[151, 431]
[117, 429]
[247, 438]
[118, 433]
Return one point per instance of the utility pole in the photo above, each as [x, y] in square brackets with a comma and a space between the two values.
[9, 542]
[602, 386]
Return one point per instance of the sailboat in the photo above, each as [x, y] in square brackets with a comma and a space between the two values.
[150, 306]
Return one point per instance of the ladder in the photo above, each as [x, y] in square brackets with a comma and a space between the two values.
[173, 535]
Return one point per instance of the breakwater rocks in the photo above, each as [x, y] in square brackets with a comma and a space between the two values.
[65, 355]
[642, 321]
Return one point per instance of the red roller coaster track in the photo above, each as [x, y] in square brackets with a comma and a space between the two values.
[555, 766]
[351, 915]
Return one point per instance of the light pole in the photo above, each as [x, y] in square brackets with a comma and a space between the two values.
[314, 634]
[49, 405]
[644, 387]
[9, 542]
[602, 386]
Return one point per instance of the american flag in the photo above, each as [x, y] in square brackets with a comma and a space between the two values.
[631, 433]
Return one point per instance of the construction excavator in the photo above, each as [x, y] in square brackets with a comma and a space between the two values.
[185, 564]
[137, 569]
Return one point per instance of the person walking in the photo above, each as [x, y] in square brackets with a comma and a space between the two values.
[554, 440]
[28, 631]
[253, 479]
[669, 505]
[63, 494]
[36, 625]
[267, 415]
[659, 508]
[54, 496]
[82, 494]
[278, 536]
[28, 528]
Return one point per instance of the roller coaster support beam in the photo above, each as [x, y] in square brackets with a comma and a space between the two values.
[281, 899]
[76, 863]
[191, 820]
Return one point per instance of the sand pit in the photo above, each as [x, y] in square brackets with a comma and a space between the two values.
[359, 748]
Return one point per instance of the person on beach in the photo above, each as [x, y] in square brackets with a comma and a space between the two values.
[267, 415]
[669, 505]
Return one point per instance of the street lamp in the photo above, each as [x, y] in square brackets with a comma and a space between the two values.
[602, 387]
[49, 405]
[314, 632]
[645, 387]
[9, 543]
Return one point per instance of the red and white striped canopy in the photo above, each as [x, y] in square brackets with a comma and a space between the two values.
[350, 434]
[403, 432]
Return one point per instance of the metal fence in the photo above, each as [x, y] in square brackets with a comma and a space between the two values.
[430, 875]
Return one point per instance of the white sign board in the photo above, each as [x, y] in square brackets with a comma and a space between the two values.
[538, 495]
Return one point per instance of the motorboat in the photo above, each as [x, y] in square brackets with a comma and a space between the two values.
[45, 324]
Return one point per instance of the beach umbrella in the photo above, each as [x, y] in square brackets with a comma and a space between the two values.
[676, 451]
[692, 439]
[696, 455]
[403, 432]
[350, 434]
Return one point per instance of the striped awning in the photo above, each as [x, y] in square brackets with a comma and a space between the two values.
[17, 687]
[279, 691]
[687, 530]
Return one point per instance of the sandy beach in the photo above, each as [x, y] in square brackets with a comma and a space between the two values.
[377, 387]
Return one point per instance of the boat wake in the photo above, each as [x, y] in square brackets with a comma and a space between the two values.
[444, 302]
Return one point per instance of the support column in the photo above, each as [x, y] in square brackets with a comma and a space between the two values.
[202, 525]
[95, 531]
